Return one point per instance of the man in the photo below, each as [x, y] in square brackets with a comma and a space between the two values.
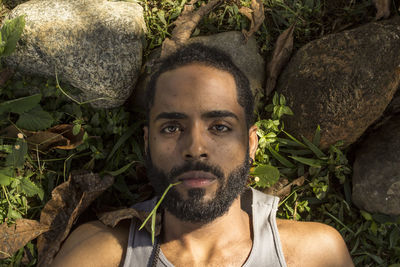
[200, 132]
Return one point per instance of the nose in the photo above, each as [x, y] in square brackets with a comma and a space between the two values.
[194, 145]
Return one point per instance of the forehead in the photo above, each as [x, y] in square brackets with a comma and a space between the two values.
[196, 88]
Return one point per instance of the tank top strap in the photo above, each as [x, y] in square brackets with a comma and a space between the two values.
[267, 249]
[140, 251]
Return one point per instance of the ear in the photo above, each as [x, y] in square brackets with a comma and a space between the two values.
[253, 141]
[146, 138]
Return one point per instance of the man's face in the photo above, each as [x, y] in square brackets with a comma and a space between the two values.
[197, 134]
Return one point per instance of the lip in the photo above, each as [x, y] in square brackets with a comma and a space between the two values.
[197, 179]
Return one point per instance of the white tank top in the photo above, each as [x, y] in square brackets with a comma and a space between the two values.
[266, 249]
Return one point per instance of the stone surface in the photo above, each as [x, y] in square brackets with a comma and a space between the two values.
[343, 82]
[244, 55]
[95, 45]
[376, 174]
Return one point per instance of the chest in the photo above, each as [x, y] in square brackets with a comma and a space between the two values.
[234, 255]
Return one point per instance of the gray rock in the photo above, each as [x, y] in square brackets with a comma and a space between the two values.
[244, 55]
[376, 177]
[95, 45]
[343, 82]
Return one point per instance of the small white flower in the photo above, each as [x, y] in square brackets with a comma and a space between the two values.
[257, 179]
[20, 136]
[17, 147]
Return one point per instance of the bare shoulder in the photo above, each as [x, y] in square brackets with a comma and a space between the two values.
[312, 244]
[94, 244]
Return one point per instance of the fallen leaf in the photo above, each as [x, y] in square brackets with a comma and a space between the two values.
[66, 131]
[282, 188]
[382, 9]
[280, 56]
[59, 136]
[284, 192]
[272, 190]
[15, 236]
[68, 201]
[112, 218]
[256, 16]
[5, 75]
[185, 25]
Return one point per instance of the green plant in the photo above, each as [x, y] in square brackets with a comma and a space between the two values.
[153, 213]
[325, 195]
[9, 35]
[113, 141]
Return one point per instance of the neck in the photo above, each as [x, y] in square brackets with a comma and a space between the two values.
[202, 238]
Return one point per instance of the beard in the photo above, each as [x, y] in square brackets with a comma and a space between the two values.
[194, 209]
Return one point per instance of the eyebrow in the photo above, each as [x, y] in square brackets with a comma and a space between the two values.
[171, 116]
[220, 114]
[208, 115]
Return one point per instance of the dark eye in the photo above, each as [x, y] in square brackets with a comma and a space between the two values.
[220, 128]
[170, 129]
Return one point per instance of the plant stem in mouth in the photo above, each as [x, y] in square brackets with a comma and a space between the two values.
[153, 213]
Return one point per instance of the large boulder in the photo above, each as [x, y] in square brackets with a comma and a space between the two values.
[244, 54]
[94, 45]
[376, 174]
[342, 82]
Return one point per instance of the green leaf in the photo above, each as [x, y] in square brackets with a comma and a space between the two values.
[30, 189]
[275, 99]
[2, 44]
[267, 174]
[286, 110]
[280, 158]
[17, 156]
[6, 148]
[123, 139]
[377, 259]
[317, 136]
[366, 215]
[296, 152]
[13, 214]
[35, 120]
[313, 148]
[269, 108]
[76, 129]
[308, 161]
[161, 16]
[394, 237]
[11, 32]
[288, 142]
[282, 100]
[121, 170]
[6, 176]
[20, 105]
[294, 139]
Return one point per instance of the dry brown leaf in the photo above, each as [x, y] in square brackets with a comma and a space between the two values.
[5, 75]
[382, 9]
[68, 201]
[59, 136]
[66, 131]
[256, 16]
[185, 25]
[15, 236]
[112, 218]
[281, 183]
[282, 188]
[285, 191]
[280, 56]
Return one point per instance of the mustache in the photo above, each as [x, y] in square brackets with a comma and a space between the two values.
[196, 166]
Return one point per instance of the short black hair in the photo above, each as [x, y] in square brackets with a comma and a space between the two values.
[208, 56]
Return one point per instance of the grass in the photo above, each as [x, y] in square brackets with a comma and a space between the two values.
[115, 136]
